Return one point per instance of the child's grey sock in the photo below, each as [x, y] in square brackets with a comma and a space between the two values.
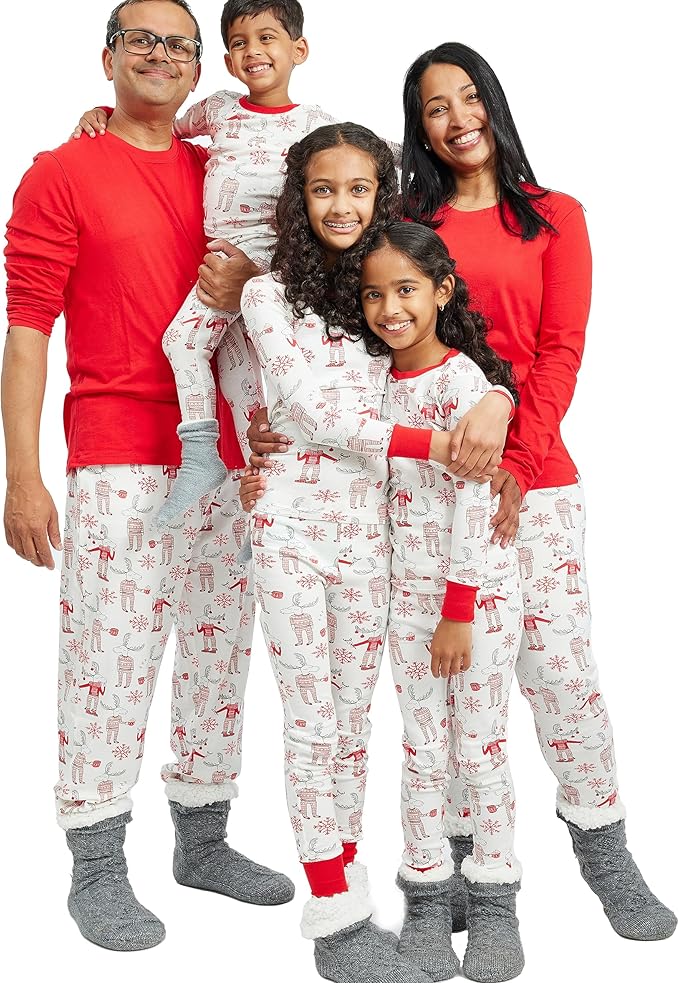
[202, 469]
[494, 951]
[357, 878]
[460, 847]
[425, 936]
[101, 899]
[202, 859]
[607, 866]
[358, 954]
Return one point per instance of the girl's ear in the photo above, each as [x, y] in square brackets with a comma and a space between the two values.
[445, 291]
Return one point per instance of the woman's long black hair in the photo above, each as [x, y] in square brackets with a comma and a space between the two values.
[300, 261]
[456, 325]
[428, 183]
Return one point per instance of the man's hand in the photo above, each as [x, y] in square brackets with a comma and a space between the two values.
[479, 438]
[451, 648]
[263, 442]
[252, 486]
[31, 522]
[505, 522]
[221, 278]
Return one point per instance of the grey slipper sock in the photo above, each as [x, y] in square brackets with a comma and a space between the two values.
[460, 847]
[425, 936]
[358, 954]
[202, 469]
[608, 867]
[101, 899]
[202, 859]
[494, 951]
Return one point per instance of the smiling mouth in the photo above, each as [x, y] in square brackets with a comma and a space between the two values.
[341, 226]
[466, 138]
[258, 69]
[396, 328]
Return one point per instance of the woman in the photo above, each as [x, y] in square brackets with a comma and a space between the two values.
[524, 253]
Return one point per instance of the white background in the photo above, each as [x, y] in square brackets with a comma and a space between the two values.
[589, 86]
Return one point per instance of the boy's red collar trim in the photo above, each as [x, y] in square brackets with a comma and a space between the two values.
[251, 107]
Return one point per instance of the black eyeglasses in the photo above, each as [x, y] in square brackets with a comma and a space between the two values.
[144, 42]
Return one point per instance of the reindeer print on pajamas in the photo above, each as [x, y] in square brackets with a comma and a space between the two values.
[117, 627]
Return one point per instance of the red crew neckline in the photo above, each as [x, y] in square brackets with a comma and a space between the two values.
[251, 107]
[415, 372]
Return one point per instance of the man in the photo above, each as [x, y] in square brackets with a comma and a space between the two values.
[111, 232]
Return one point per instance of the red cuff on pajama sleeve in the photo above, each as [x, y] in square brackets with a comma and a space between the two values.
[326, 877]
[410, 442]
[458, 604]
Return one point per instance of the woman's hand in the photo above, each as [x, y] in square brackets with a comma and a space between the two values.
[479, 439]
[93, 122]
[451, 648]
[252, 485]
[263, 442]
[505, 522]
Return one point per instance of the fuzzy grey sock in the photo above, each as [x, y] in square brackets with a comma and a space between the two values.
[358, 954]
[608, 867]
[202, 859]
[494, 951]
[202, 469]
[101, 899]
[357, 878]
[425, 936]
[460, 847]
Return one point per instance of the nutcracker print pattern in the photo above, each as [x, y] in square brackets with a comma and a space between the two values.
[123, 586]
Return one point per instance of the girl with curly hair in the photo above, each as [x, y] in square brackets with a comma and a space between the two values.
[320, 537]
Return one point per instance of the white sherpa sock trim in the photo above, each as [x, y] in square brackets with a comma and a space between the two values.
[81, 816]
[455, 826]
[325, 916]
[198, 794]
[495, 875]
[440, 873]
[357, 878]
[590, 818]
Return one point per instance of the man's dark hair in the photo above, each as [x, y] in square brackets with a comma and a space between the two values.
[114, 24]
[287, 12]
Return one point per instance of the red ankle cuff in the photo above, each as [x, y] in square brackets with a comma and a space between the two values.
[349, 852]
[326, 877]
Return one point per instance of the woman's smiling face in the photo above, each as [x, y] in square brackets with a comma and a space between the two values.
[454, 119]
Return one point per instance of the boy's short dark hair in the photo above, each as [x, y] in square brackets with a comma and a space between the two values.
[288, 12]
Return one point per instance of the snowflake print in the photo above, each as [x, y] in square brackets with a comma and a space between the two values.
[554, 539]
[297, 824]
[139, 623]
[264, 561]
[404, 609]
[411, 850]
[290, 757]
[83, 497]
[418, 785]
[229, 559]
[208, 725]
[74, 646]
[382, 549]
[148, 562]
[472, 705]
[178, 572]
[541, 519]
[89, 521]
[585, 767]
[344, 656]
[509, 640]
[327, 711]
[282, 364]
[337, 517]
[221, 539]
[360, 618]
[417, 670]
[135, 696]
[121, 751]
[315, 533]
[491, 826]
[107, 596]
[331, 416]
[259, 157]
[351, 594]
[326, 495]
[307, 581]
[221, 665]
[230, 750]
[94, 730]
[351, 531]
[284, 123]
[84, 561]
[370, 682]
[224, 600]
[353, 376]
[469, 766]
[254, 299]
[446, 496]
[546, 584]
[190, 533]
[325, 826]
[574, 686]
[413, 543]
[173, 334]
[574, 718]
[184, 609]
[596, 784]
[148, 484]
[582, 609]
[558, 662]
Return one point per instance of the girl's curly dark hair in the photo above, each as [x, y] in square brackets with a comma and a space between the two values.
[299, 261]
[456, 325]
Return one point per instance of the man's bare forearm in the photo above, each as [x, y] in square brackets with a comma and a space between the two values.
[24, 372]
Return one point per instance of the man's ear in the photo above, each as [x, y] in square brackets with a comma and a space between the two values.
[196, 76]
[107, 61]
